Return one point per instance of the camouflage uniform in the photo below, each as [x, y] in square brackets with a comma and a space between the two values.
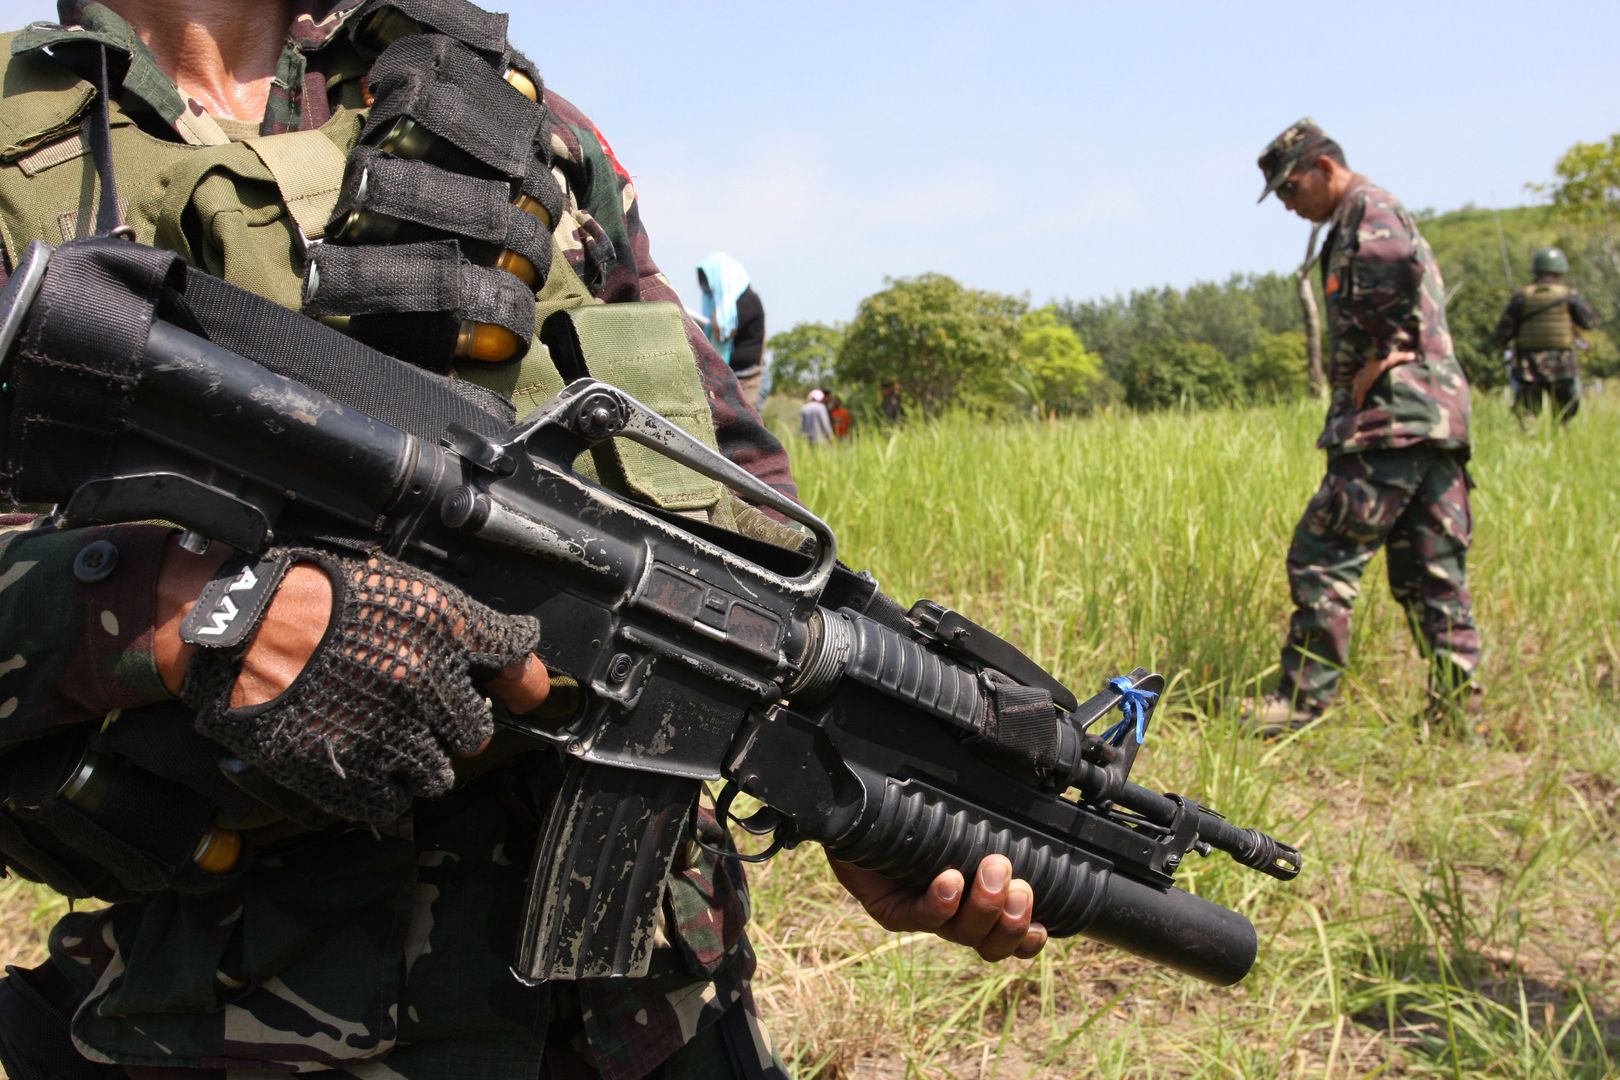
[1396, 437]
[350, 952]
[1540, 372]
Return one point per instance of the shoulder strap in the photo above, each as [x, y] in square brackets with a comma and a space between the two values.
[308, 170]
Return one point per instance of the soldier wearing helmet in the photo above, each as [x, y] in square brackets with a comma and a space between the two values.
[1541, 331]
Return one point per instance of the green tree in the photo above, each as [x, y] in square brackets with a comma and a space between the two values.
[1275, 370]
[937, 338]
[804, 357]
[1589, 178]
[1056, 374]
[1170, 372]
[1587, 195]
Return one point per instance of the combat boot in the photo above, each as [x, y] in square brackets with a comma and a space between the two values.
[1275, 715]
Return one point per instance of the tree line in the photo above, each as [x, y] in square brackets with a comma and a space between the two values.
[1241, 340]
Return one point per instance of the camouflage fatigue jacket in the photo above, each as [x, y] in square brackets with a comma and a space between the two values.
[1543, 365]
[377, 954]
[1387, 338]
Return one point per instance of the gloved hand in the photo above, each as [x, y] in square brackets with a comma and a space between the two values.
[359, 684]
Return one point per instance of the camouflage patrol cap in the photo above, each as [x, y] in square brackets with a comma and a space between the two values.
[1284, 153]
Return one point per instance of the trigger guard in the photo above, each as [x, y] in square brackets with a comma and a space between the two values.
[762, 822]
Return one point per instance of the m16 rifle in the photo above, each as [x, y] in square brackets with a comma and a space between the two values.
[905, 741]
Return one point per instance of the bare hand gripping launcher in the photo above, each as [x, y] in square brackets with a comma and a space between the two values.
[904, 741]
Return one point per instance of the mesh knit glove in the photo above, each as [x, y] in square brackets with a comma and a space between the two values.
[373, 718]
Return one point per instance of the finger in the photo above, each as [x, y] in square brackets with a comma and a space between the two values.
[521, 686]
[1011, 926]
[1034, 941]
[931, 908]
[981, 910]
[899, 907]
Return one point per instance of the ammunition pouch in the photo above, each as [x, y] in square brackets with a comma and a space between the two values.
[409, 200]
[461, 100]
[91, 823]
[442, 233]
[413, 301]
[482, 31]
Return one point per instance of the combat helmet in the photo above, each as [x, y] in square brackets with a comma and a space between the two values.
[1549, 261]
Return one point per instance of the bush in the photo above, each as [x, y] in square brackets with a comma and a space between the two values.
[1056, 375]
[1275, 370]
[939, 340]
[1161, 374]
[804, 357]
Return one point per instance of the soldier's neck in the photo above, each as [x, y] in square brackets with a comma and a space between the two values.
[220, 53]
[1340, 181]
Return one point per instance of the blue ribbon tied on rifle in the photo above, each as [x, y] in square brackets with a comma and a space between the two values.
[1134, 704]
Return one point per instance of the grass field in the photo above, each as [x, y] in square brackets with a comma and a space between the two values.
[1460, 910]
[1459, 914]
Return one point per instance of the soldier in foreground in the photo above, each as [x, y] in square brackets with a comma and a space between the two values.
[1541, 329]
[1396, 438]
[334, 949]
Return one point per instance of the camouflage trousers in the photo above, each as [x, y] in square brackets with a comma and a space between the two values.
[1549, 379]
[1414, 503]
[385, 955]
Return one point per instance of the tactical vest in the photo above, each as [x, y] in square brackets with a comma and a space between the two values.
[1546, 323]
[244, 211]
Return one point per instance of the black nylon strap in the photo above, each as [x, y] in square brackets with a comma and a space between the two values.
[484, 31]
[1021, 721]
[35, 1041]
[542, 186]
[451, 91]
[108, 219]
[81, 355]
[397, 393]
[476, 211]
[77, 363]
[429, 277]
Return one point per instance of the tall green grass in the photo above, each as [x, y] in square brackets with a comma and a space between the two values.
[1460, 910]
[1459, 914]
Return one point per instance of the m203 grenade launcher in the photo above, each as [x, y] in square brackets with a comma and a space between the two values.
[904, 741]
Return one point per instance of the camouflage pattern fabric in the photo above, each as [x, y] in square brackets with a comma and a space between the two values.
[72, 651]
[348, 952]
[1396, 434]
[1530, 396]
[1392, 372]
[1415, 503]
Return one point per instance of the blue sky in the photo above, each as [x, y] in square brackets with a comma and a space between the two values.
[1058, 150]
[1054, 150]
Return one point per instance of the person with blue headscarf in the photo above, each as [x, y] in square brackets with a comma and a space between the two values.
[734, 319]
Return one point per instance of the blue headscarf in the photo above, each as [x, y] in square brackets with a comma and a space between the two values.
[727, 281]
